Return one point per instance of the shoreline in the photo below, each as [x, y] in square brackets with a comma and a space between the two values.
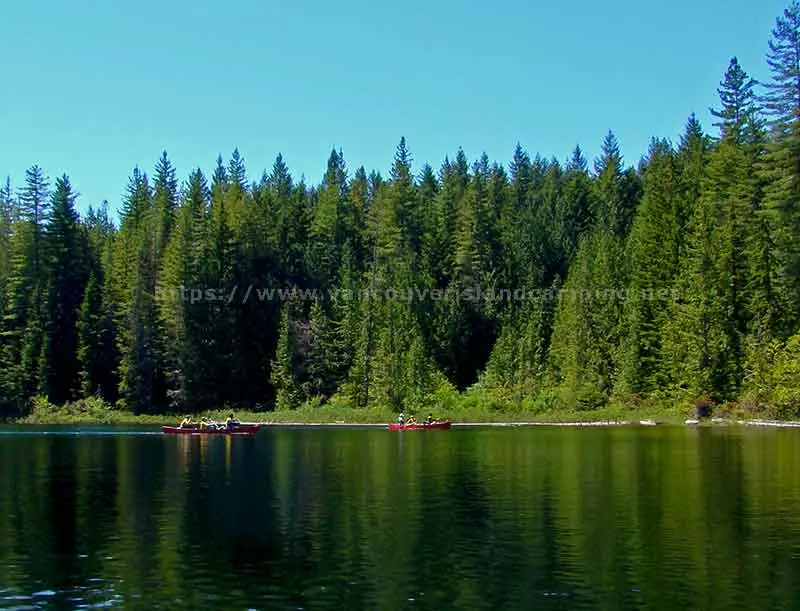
[158, 421]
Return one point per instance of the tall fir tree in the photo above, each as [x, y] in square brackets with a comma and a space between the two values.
[652, 272]
[65, 251]
[285, 376]
[782, 170]
[737, 103]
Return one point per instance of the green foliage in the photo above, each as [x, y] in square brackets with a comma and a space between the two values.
[285, 364]
[776, 378]
[780, 168]
[652, 245]
[737, 100]
[588, 321]
[65, 259]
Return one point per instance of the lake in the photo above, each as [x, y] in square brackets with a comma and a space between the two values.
[340, 518]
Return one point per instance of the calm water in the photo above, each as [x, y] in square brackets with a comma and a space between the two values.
[371, 519]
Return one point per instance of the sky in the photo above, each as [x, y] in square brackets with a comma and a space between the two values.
[93, 88]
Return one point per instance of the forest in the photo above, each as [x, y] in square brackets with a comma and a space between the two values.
[539, 283]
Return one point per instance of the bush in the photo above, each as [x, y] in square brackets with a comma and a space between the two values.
[703, 406]
[544, 402]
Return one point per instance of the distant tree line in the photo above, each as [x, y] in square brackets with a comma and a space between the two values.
[702, 239]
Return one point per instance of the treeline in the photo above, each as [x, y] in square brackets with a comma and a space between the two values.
[672, 280]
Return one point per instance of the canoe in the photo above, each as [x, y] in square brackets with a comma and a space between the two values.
[242, 429]
[414, 427]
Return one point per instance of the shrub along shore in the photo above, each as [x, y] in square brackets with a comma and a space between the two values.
[96, 411]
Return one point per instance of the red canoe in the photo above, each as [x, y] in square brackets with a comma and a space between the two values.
[242, 429]
[413, 427]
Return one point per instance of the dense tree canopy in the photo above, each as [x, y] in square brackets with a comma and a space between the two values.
[583, 281]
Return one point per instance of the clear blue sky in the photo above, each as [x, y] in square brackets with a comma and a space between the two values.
[92, 88]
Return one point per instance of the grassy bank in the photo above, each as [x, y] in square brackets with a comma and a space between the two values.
[95, 411]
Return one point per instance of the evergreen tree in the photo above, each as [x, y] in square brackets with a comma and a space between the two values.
[782, 195]
[165, 200]
[92, 337]
[23, 318]
[141, 377]
[737, 101]
[325, 364]
[291, 223]
[610, 212]
[284, 376]
[34, 208]
[327, 231]
[237, 173]
[6, 231]
[575, 206]
[65, 250]
[652, 273]
[586, 332]
[178, 285]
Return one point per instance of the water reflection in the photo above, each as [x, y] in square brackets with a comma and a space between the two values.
[657, 518]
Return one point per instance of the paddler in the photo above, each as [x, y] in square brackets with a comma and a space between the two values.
[401, 419]
[186, 423]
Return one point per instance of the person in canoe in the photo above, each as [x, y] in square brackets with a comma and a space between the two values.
[401, 420]
[231, 422]
[207, 424]
[411, 420]
[430, 419]
[187, 423]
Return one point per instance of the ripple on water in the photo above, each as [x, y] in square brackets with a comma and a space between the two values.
[101, 605]
[15, 601]
[12, 597]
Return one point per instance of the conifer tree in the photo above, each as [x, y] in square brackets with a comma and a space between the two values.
[515, 223]
[346, 310]
[218, 274]
[611, 211]
[782, 194]
[65, 253]
[325, 359]
[288, 392]
[652, 273]
[141, 378]
[327, 231]
[6, 230]
[94, 341]
[737, 101]
[34, 208]
[357, 209]
[584, 352]
[178, 285]
[291, 222]
[575, 207]
[96, 350]
[23, 318]
[165, 201]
